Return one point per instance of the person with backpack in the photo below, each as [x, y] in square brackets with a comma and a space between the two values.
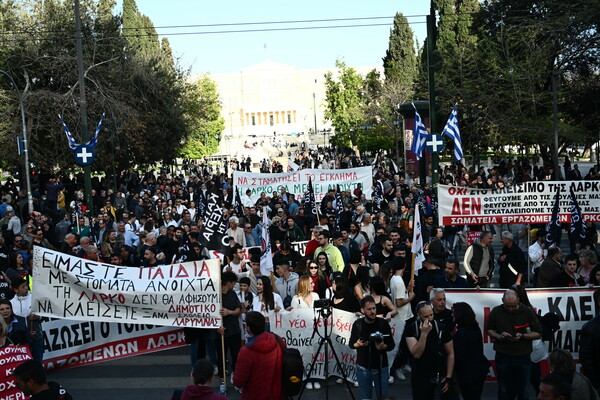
[201, 389]
[259, 365]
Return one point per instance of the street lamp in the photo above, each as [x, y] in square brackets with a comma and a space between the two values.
[25, 142]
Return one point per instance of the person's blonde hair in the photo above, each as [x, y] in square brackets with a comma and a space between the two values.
[3, 328]
[303, 286]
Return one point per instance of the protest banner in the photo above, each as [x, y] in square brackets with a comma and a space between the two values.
[472, 236]
[10, 358]
[521, 203]
[186, 294]
[69, 343]
[574, 307]
[296, 327]
[300, 247]
[296, 182]
[213, 235]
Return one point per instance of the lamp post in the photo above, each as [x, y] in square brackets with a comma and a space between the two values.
[396, 123]
[25, 142]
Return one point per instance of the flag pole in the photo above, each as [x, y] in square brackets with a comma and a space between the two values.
[529, 259]
[412, 273]
[223, 387]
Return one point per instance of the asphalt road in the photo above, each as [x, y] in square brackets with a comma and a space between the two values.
[155, 376]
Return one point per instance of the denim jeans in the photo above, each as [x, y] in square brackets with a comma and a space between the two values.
[513, 376]
[366, 377]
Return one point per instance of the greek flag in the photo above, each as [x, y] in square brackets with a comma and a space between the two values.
[451, 130]
[73, 145]
[419, 135]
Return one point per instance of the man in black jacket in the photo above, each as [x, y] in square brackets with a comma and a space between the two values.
[512, 262]
[589, 351]
[372, 338]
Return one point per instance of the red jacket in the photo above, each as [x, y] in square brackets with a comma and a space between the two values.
[258, 369]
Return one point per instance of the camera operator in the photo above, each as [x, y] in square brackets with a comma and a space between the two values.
[432, 350]
[371, 337]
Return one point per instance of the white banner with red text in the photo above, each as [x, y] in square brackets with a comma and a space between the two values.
[186, 294]
[296, 182]
[521, 203]
[296, 327]
[69, 343]
[574, 307]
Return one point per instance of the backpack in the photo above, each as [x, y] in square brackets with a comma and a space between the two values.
[292, 370]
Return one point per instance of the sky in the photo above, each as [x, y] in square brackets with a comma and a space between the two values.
[218, 53]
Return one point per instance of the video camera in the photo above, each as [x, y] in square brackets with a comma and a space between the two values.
[322, 304]
[377, 337]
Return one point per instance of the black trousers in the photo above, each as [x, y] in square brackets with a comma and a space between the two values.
[233, 343]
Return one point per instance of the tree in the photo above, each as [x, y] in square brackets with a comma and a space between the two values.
[204, 120]
[343, 97]
[133, 79]
[400, 61]
[523, 45]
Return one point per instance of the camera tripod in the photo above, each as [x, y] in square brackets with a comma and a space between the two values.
[324, 340]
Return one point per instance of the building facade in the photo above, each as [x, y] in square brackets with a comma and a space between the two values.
[272, 99]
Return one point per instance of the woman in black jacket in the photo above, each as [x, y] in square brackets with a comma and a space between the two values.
[18, 334]
[470, 365]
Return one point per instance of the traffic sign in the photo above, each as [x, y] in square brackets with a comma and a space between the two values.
[84, 155]
[434, 143]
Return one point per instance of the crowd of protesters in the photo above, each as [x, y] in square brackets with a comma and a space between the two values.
[356, 250]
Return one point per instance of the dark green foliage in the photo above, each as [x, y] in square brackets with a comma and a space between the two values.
[129, 75]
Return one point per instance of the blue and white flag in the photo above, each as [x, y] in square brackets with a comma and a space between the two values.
[453, 132]
[73, 145]
[419, 135]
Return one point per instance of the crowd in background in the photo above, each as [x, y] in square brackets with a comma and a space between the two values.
[355, 249]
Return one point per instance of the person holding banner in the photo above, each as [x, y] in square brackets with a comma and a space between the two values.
[266, 300]
[230, 331]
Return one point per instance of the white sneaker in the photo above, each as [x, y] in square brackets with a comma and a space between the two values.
[309, 385]
[391, 380]
[339, 380]
[407, 369]
[400, 375]
[317, 385]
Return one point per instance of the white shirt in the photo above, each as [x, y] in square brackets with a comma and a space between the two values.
[399, 291]
[537, 255]
[22, 305]
[298, 302]
[259, 306]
